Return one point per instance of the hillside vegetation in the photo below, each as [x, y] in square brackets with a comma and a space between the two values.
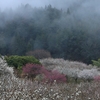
[21, 88]
[62, 33]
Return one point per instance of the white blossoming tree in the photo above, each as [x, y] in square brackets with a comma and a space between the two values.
[5, 69]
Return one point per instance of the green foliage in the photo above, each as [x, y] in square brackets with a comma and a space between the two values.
[19, 69]
[96, 63]
[19, 61]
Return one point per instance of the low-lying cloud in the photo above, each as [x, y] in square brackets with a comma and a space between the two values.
[4, 4]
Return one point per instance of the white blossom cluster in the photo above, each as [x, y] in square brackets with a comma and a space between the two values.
[20, 89]
[5, 69]
[71, 68]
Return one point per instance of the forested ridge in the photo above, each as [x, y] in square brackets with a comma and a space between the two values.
[65, 34]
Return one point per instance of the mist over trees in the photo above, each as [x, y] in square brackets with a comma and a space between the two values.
[72, 34]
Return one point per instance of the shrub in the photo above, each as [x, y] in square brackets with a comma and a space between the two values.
[96, 63]
[32, 70]
[54, 75]
[39, 54]
[39, 72]
[19, 61]
[97, 78]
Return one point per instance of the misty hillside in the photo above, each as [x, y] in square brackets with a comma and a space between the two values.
[70, 33]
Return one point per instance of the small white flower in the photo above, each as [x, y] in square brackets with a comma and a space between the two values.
[51, 89]
[54, 81]
[33, 94]
[49, 95]
[39, 89]
[54, 95]
[45, 88]
[71, 97]
[36, 91]
[58, 96]
[44, 98]
[77, 94]
[89, 98]
[76, 89]
[40, 94]
[68, 96]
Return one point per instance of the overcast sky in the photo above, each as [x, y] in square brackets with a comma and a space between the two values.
[73, 4]
[38, 3]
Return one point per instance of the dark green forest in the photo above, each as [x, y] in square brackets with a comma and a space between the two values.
[64, 33]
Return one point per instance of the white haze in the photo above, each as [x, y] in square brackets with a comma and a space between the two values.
[84, 7]
[87, 11]
[5, 4]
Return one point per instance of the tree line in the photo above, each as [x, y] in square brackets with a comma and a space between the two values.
[61, 32]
